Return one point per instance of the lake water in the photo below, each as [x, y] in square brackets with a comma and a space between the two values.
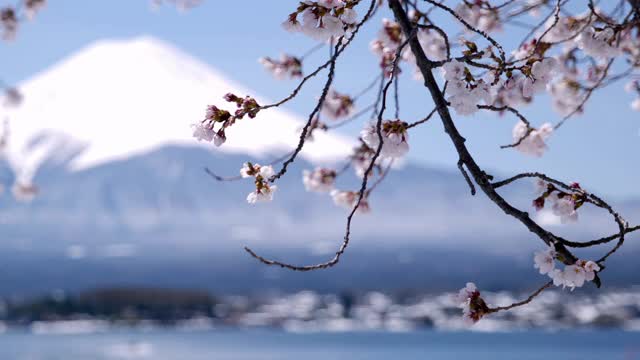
[240, 345]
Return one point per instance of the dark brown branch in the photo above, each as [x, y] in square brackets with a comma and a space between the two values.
[466, 177]
[423, 120]
[222, 178]
[235, 178]
[471, 28]
[523, 302]
[590, 198]
[516, 113]
[307, 126]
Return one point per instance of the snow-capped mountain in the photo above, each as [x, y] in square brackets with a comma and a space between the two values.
[124, 198]
[114, 99]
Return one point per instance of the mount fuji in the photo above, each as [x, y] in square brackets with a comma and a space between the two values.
[124, 198]
[115, 99]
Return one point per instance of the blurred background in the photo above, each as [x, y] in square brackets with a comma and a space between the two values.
[130, 250]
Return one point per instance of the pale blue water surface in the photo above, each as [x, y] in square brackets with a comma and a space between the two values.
[266, 344]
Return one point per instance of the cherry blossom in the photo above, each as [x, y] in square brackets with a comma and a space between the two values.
[390, 36]
[541, 74]
[386, 45]
[540, 186]
[433, 44]
[465, 293]
[564, 204]
[361, 159]
[564, 207]
[559, 277]
[387, 58]
[480, 15]
[534, 143]
[287, 67]
[545, 260]
[319, 180]
[264, 193]
[510, 92]
[337, 105]
[454, 70]
[465, 91]
[24, 191]
[571, 276]
[567, 96]
[322, 20]
[597, 43]
[394, 138]
[534, 6]
[8, 23]
[590, 268]
[205, 130]
[349, 199]
[254, 170]
[563, 29]
[33, 7]
[473, 306]
[202, 132]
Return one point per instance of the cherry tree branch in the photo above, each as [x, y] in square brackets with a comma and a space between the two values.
[465, 157]
[523, 302]
[363, 186]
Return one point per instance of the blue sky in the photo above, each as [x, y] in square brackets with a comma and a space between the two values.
[598, 149]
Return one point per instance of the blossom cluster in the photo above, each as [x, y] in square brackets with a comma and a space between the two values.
[287, 67]
[8, 23]
[322, 180]
[597, 43]
[261, 173]
[361, 159]
[337, 105]
[206, 129]
[563, 204]
[349, 199]
[390, 38]
[565, 75]
[567, 96]
[530, 49]
[465, 91]
[386, 45]
[323, 19]
[531, 141]
[9, 17]
[479, 14]
[319, 180]
[394, 138]
[473, 306]
[24, 191]
[571, 276]
[519, 88]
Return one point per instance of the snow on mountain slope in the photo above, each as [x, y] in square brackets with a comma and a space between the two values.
[115, 99]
